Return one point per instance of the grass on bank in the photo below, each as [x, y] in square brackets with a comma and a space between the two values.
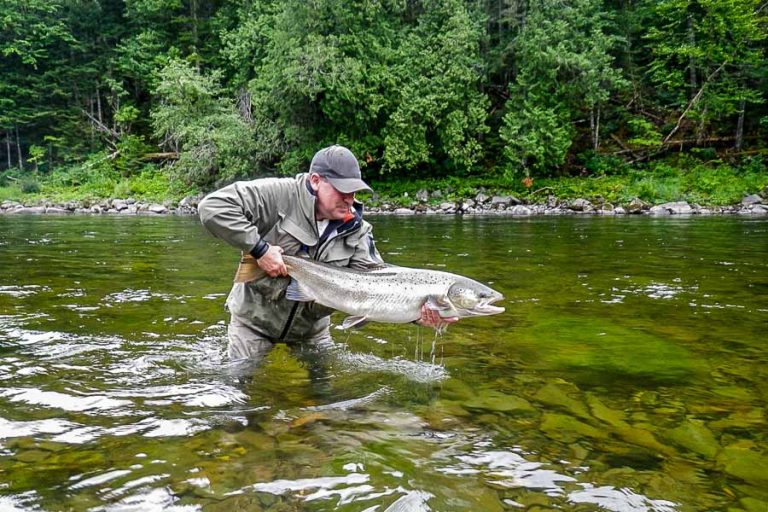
[707, 184]
[89, 185]
[682, 179]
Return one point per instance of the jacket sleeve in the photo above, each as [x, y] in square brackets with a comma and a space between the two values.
[241, 212]
[366, 253]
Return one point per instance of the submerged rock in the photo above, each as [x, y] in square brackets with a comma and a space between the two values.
[496, 401]
[745, 464]
[567, 428]
[553, 394]
[605, 414]
[694, 436]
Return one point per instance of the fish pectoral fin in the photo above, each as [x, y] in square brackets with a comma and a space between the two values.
[296, 293]
[354, 322]
[436, 303]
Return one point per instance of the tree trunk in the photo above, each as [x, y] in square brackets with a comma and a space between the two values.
[594, 125]
[740, 125]
[18, 149]
[98, 105]
[692, 64]
[91, 123]
[195, 36]
[8, 147]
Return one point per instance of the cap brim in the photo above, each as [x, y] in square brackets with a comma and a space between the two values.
[349, 185]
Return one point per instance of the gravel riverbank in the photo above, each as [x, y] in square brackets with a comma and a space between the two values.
[481, 204]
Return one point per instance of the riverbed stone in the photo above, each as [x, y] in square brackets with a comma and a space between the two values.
[29, 210]
[658, 210]
[581, 205]
[678, 208]
[447, 207]
[422, 195]
[505, 201]
[567, 428]
[157, 208]
[753, 504]
[31, 456]
[751, 419]
[403, 211]
[554, 394]
[637, 205]
[520, 210]
[645, 439]
[496, 401]
[751, 199]
[694, 436]
[604, 413]
[745, 464]
[57, 211]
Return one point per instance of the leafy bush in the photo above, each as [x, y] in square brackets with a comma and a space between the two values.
[29, 185]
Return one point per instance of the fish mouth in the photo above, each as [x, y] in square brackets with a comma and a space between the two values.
[487, 308]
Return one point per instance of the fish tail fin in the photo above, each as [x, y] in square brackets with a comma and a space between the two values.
[248, 270]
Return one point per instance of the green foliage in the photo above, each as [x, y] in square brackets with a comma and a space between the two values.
[424, 89]
[565, 72]
[598, 164]
[29, 185]
[643, 133]
[150, 184]
[130, 150]
[215, 142]
[439, 111]
[537, 139]
[664, 181]
[707, 57]
[9, 192]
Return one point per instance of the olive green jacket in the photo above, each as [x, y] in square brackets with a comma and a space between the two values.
[282, 212]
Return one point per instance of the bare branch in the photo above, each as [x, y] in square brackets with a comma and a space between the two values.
[693, 101]
[101, 126]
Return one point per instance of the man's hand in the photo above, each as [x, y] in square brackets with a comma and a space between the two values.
[431, 318]
[272, 262]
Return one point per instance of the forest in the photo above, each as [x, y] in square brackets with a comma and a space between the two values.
[168, 97]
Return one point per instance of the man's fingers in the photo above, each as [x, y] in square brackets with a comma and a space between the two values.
[272, 262]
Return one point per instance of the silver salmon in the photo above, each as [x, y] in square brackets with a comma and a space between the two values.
[388, 294]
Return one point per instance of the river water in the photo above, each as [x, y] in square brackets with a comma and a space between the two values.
[629, 373]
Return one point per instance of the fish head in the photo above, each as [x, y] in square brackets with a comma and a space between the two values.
[470, 298]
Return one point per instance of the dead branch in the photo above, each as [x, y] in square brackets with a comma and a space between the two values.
[693, 101]
[170, 155]
[101, 126]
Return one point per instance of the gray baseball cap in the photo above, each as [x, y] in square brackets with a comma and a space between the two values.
[339, 166]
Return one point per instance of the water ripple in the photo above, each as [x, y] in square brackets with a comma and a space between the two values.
[54, 399]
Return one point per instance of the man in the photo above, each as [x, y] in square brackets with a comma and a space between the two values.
[314, 213]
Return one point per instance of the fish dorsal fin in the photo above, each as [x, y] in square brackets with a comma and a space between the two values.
[374, 267]
[296, 293]
[354, 322]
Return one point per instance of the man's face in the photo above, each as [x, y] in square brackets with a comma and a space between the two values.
[330, 203]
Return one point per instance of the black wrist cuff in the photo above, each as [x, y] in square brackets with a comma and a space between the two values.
[260, 249]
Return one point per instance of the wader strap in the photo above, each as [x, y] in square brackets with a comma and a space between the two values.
[289, 322]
